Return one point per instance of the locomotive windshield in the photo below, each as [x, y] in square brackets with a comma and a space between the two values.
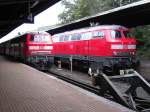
[127, 34]
[40, 38]
[118, 34]
[115, 34]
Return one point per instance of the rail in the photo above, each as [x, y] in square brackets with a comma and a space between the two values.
[77, 83]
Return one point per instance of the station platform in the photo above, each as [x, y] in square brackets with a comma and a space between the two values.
[25, 89]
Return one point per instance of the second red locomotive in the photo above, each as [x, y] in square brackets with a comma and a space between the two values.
[33, 48]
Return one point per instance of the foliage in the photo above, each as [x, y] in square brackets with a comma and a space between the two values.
[76, 9]
[143, 42]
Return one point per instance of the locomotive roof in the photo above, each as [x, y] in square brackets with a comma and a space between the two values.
[113, 27]
[30, 32]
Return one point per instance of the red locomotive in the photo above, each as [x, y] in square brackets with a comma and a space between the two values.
[107, 47]
[33, 48]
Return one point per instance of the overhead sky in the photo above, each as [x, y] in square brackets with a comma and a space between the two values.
[49, 16]
[46, 18]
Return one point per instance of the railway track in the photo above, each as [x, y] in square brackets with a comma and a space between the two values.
[77, 83]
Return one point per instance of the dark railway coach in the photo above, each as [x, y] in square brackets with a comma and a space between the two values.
[109, 48]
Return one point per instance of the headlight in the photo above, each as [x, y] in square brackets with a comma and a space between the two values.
[119, 46]
[48, 47]
[131, 46]
[114, 46]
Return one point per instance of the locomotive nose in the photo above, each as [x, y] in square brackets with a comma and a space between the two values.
[123, 50]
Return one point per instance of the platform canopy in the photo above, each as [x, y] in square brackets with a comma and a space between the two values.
[131, 15]
[15, 12]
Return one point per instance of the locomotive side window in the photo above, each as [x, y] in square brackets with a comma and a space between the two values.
[115, 34]
[56, 39]
[76, 37]
[73, 37]
[61, 39]
[98, 34]
[127, 34]
[66, 38]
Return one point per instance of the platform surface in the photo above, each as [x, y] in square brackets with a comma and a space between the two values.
[25, 89]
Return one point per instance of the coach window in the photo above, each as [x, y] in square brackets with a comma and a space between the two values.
[115, 34]
[98, 34]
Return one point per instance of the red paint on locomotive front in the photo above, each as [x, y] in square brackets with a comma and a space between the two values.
[38, 44]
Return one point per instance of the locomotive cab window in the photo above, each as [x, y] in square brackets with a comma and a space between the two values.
[115, 34]
[40, 38]
[127, 34]
[98, 34]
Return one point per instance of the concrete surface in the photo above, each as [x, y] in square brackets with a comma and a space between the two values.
[25, 89]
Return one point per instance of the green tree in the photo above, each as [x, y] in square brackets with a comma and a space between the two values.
[143, 42]
[77, 9]
[118, 3]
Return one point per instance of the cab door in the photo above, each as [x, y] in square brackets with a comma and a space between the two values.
[97, 44]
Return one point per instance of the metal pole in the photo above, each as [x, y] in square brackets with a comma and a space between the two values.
[59, 64]
[71, 63]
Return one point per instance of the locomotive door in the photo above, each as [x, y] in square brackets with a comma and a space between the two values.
[97, 44]
[85, 43]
